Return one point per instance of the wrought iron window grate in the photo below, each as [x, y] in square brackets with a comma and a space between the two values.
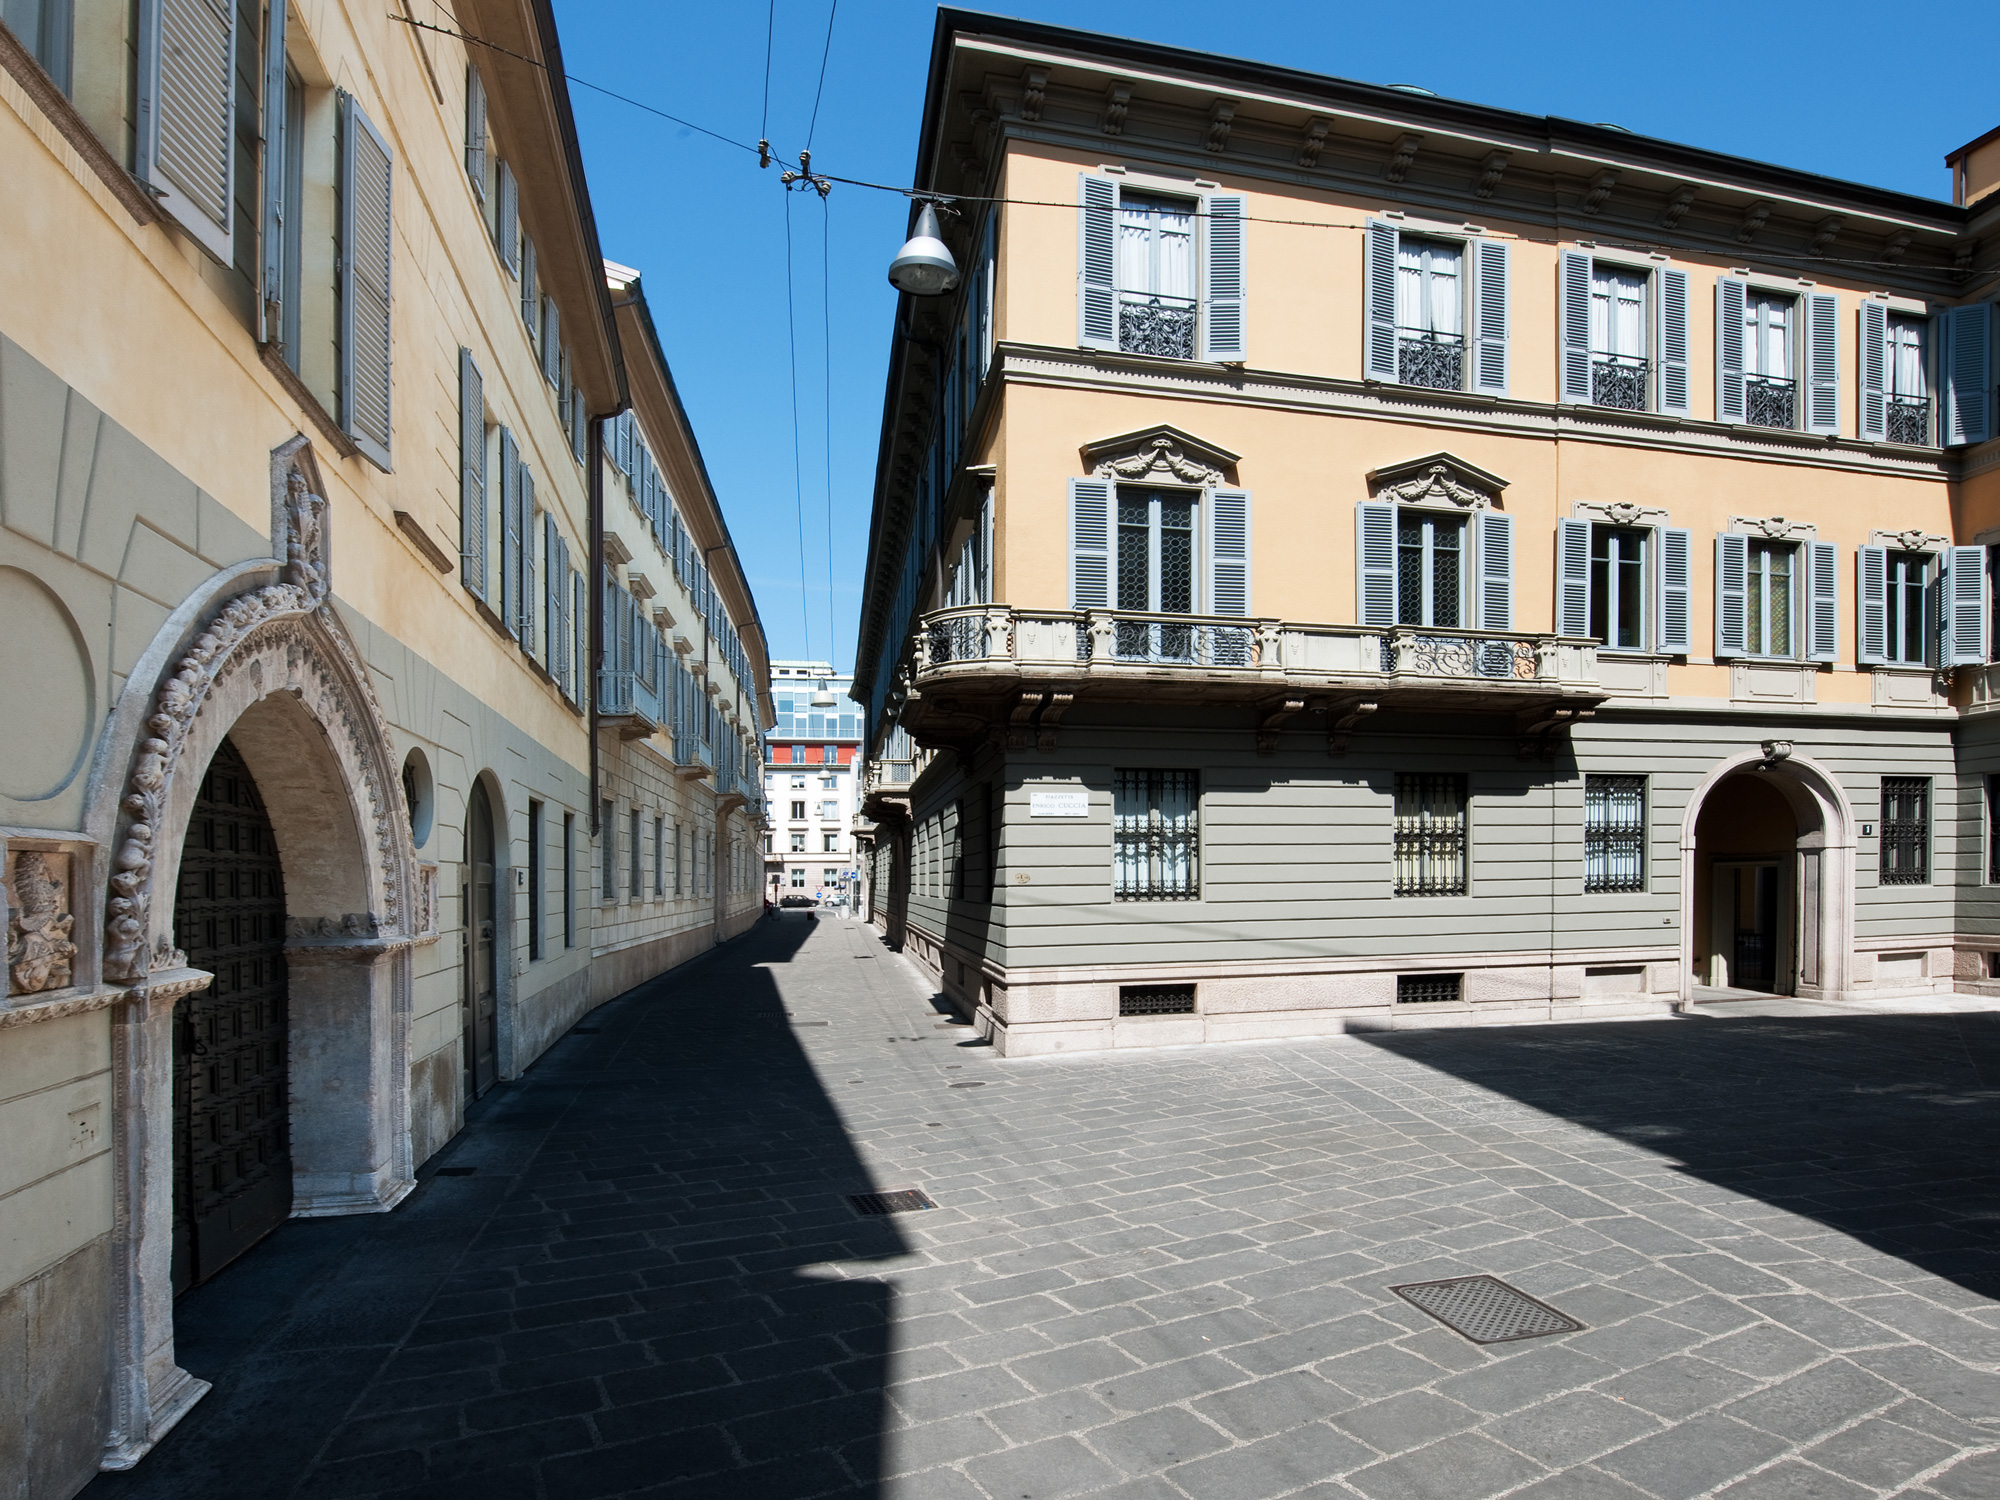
[1155, 836]
[1430, 834]
[1909, 419]
[1429, 989]
[1993, 830]
[1614, 833]
[1432, 360]
[1618, 381]
[1906, 830]
[1157, 325]
[1769, 401]
[1155, 999]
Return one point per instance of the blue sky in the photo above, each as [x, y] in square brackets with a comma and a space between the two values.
[1874, 93]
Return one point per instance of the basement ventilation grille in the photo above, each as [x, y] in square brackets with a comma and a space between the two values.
[1429, 989]
[1155, 999]
[1485, 1309]
[895, 1201]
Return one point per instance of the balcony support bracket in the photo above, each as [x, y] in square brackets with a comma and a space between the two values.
[1341, 716]
[1271, 718]
[1541, 728]
[1051, 717]
[1025, 705]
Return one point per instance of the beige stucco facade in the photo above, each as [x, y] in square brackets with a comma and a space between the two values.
[234, 511]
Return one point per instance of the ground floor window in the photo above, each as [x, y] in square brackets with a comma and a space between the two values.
[798, 877]
[1906, 830]
[1993, 830]
[1614, 833]
[1155, 836]
[1430, 834]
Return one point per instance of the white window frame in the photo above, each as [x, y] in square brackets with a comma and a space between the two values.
[1197, 502]
[1430, 518]
[1765, 547]
[1648, 540]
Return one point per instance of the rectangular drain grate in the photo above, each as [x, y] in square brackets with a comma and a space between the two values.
[1485, 1309]
[895, 1201]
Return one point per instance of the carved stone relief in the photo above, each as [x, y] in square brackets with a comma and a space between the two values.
[1776, 528]
[1916, 539]
[1440, 479]
[40, 920]
[1618, 513]
[1159, 455]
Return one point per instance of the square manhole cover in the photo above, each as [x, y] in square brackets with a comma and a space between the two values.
[894, 1201]
[1485, 1309]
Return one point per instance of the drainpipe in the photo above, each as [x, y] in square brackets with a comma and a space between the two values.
[594, 484]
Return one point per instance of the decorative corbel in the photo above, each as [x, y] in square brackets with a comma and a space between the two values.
[1313, 141]
[1753, 220]
[1341, 717]
[1600, 189]
[1896, 245]
[1221, 115]
[1117, 99]
[1034, 88]
[1824, 232]
[1051, 718]
[1776, 752]
[1539, 728]
[1273, 719]
[1018, 720]
[1490, 172]
[1677, 207]
[1402, 155]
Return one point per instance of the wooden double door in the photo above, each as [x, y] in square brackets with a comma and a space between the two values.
[232, 1105]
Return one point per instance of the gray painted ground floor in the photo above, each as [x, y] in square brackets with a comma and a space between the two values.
[1751, 849]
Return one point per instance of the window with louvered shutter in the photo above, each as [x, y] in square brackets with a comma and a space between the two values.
[551, 340]
[186, 114]
[475, 130]
[1225, 335]
[1090, 544]
[365, 254]
[507, 218]
[510, 530]
[525, 625]
[471, 476]
[531, 294]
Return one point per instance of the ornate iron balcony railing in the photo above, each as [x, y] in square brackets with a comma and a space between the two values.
[1433, 360]
[1157, 325]
[1769, 401]
[1103, 642]
[1910, 419]
[1618, 381]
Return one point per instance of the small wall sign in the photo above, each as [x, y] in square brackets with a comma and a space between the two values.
[1058, 804]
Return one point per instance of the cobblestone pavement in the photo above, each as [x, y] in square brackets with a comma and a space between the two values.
[1150, 1275]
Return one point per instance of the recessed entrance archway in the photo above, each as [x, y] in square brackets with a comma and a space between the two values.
[482, 994]
[1767, 877]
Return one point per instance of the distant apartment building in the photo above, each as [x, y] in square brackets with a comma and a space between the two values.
[809, 781]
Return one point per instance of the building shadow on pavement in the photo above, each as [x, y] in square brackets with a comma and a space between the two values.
[1881, 1127]
[603, 1286]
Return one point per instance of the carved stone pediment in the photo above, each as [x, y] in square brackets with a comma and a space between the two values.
[1437, 479]
[1916, 539]
[1159, 455]
[1775, 528]
[1619, 513]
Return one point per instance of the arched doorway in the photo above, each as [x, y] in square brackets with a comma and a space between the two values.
[232, 1112]
[1767, 878]
[482, 1001]
[1746, 898]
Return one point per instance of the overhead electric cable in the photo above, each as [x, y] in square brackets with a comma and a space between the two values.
[826, 348]
[798, 476]
[770, 31]
[825, 52]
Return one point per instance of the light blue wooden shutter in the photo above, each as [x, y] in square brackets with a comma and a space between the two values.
[1676, 628]
[1964, 634]
[1676, 397]
[1375, 563]
[1097, 264]
[1729, 294]
[475, 128]
[1575, 316]
[989, 286]
[531, 297]
[1732, 575]
[553, 582]
[365, 240]
[1090, 544]
[1871, 611]
[510, 530]
[1496, 570]
[1224, 334]
[507, 218]
[1573, 578]
[1965, 361]
[186, 106]
[526, 628]
[1874, 412]
[1228, 552]
[1822, 362]
[270, 306]
[471, 476]
[1489, 317]
[1823, 618]
[1379, 353]
[585, 669]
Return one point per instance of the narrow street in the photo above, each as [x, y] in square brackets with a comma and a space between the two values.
[1148, 1275]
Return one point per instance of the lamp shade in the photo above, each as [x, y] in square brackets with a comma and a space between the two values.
[924, 267]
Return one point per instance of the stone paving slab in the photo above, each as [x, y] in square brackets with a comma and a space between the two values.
[1150, 1276]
